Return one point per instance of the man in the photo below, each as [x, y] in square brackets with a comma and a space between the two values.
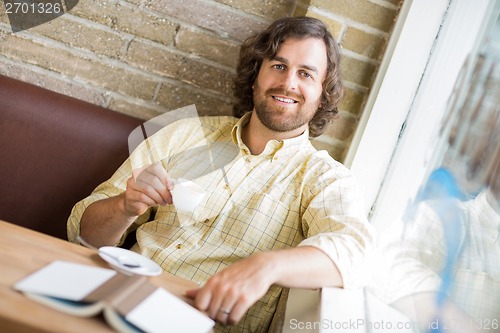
[278, 214]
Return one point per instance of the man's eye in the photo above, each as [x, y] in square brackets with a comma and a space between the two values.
[306, 75]
[280, 67]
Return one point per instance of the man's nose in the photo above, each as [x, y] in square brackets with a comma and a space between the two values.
[290, 81]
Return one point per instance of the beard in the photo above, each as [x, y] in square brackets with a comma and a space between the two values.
[280, 118]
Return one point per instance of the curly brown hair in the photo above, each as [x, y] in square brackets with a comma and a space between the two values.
[265, 45]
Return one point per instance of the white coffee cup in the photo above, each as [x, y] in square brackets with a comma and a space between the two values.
[186, 195]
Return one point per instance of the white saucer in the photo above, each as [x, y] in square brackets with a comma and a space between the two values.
[148, 266]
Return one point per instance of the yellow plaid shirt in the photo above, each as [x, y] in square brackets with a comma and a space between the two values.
[289, 195]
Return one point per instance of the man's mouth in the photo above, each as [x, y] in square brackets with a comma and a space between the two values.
[284, 100]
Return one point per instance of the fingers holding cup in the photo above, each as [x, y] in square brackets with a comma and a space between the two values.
[154, 182]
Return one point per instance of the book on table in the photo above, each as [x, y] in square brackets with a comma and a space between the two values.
[129, 303]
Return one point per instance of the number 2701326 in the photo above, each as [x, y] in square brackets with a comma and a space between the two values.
[33, 8]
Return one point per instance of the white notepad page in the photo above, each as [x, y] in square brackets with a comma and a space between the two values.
[65, 280]
[163, 312]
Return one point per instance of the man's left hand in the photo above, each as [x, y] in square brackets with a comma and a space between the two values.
[228, 295]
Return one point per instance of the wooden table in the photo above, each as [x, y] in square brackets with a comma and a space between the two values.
[23, 251]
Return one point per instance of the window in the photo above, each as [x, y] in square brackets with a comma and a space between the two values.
[426, 53]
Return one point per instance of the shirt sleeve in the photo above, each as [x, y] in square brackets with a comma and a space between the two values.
[411, 264]
[334, 222]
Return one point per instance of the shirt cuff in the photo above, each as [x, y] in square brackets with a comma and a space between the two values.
[348, 255]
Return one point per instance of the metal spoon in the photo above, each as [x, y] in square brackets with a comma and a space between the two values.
[122, 260]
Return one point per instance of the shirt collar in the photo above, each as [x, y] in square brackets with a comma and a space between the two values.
[273, 147]
[236, 131]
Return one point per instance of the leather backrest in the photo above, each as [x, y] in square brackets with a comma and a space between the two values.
[54, 150]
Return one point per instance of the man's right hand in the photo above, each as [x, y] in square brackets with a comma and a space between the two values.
[149, 187]
[104, 221]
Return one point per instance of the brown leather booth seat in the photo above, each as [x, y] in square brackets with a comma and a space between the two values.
[54, 151]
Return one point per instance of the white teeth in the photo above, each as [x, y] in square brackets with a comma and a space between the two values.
[284, 100]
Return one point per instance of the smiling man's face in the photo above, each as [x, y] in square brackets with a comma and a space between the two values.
[287, 91]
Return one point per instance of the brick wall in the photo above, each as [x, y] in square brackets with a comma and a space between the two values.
[146, 57]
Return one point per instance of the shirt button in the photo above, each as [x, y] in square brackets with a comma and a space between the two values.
[206, 221]
[247, 159]
[226, 186]
[275, 158]
[178, 246]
